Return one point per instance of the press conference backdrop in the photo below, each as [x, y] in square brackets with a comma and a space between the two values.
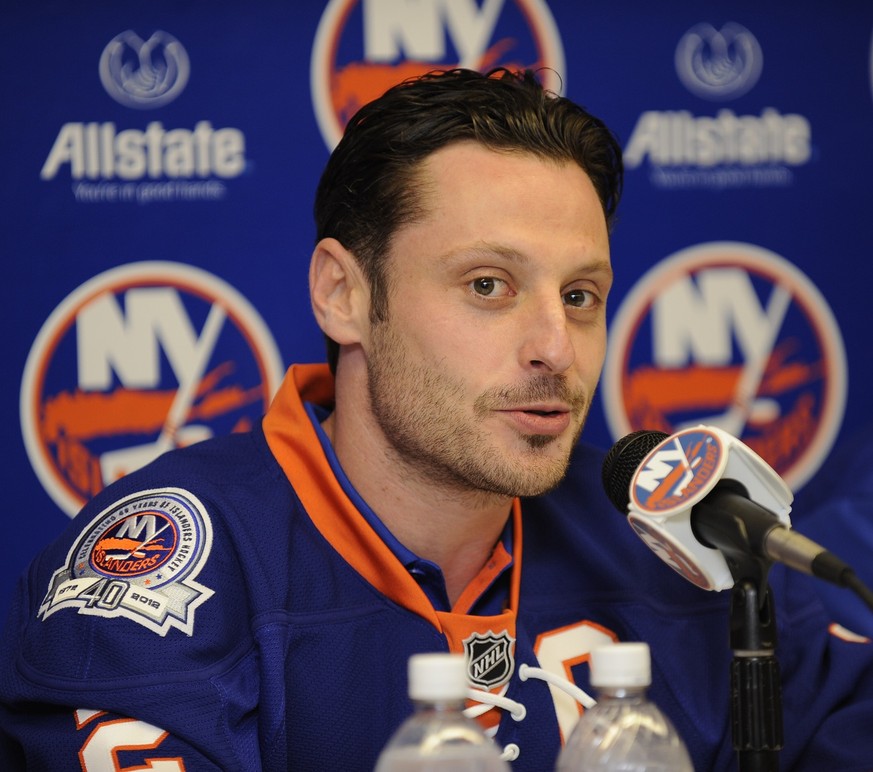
[158, 168]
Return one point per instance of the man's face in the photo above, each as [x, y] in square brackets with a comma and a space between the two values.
[483, 373]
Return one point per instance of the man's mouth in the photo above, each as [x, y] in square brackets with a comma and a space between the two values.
[534, 420]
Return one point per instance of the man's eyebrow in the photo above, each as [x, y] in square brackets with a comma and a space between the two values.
[484, 249]
[488, 249]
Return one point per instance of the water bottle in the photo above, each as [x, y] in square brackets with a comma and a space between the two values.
[624, 730]
[438, 737]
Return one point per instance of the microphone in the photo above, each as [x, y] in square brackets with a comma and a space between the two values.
[705, 503]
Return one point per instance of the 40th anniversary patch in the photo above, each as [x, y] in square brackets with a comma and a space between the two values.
[138, 559]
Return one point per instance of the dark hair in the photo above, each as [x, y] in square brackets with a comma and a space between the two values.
[368, 190]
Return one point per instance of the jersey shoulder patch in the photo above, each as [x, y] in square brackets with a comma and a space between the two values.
[139, 558]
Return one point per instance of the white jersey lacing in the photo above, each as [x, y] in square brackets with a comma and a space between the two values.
[488, 701]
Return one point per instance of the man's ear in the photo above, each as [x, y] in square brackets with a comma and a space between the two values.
[339, 293]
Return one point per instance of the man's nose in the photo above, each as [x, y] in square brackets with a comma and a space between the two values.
[546, 342]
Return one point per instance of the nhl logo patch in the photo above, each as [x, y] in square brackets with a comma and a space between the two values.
[138, 559]
[490, 660]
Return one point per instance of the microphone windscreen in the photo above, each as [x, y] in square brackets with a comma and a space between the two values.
[622, 462]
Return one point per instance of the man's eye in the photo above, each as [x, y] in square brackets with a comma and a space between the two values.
[579, 298]
[486, 285]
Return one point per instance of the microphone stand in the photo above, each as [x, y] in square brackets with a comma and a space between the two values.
[756, 690]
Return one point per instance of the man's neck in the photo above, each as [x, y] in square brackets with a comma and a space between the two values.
[454, 528]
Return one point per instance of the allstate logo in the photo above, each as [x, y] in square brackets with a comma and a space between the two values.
[730, 335]
[719, 64]
[138, 360]
[363, 48]
[144, 74]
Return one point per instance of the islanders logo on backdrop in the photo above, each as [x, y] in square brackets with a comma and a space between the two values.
[730, 335]
[140, 359]
[363, 47]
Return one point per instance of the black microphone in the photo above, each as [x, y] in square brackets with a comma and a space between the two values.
[725, 518]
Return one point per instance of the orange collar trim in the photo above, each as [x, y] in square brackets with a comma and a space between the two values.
[294, 442]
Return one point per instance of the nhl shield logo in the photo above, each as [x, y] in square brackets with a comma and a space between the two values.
[490, 660]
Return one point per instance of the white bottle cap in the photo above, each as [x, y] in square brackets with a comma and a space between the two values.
[437, 677]
[621, 665]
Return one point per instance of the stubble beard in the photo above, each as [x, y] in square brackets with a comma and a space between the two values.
[420, 410]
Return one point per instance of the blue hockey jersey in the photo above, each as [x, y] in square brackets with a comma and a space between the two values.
[836, 510]
[229, 607]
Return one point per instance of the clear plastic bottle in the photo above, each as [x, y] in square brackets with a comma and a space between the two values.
[438, 737]
[625, 731]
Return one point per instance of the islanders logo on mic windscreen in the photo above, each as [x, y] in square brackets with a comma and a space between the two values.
[677, 473]
[363, 48]
[140, 359]
[672, 478]
[734, 336]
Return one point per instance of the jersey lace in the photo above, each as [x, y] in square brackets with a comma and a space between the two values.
[489, 701]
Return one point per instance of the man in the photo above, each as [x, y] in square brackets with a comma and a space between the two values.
[251, 602]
